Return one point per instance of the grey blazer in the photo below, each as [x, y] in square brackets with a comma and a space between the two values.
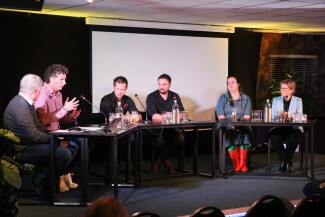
[294, 107]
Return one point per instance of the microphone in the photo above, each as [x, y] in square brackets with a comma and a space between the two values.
[84, 98]
[145, 121]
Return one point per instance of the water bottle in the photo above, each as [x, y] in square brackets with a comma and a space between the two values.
[267, 111]
[119, 114]
[175, 111]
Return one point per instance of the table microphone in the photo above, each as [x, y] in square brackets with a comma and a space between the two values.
[145, 121]
[106, 122]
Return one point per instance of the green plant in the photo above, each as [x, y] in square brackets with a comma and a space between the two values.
[9, 168]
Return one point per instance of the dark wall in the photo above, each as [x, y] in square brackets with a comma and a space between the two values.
[244, 52]
[30, 43]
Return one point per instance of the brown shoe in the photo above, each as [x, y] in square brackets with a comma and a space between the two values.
[69, 182]
[155, 166]
[63, 186]
[169, 166]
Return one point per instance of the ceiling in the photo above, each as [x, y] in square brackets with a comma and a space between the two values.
[280, 16]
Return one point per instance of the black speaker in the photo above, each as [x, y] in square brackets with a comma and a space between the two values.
[32, 5]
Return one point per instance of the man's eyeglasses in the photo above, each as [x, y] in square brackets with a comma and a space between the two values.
[284, 88]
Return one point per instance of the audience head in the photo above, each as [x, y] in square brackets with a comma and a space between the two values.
[106, 207]
[31, 85]
[314, 187]
[120, 84]
[164, 83]
[56, 75]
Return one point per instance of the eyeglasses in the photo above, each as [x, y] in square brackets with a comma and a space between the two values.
[284, 88]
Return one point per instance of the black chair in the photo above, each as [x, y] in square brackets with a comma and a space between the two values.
[270, 206]
[145, 214]
[207, 211]
[311, 206]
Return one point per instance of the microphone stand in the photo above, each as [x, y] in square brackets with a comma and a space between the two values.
[100, 125]
[145, 121]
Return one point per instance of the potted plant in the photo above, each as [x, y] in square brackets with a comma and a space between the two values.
[9, 175]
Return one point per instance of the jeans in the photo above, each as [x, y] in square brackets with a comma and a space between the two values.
[62, 157]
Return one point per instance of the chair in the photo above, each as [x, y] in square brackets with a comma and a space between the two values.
[311, 206]
[300, 148]
[145, 214]
[207, 211]
[270, 206]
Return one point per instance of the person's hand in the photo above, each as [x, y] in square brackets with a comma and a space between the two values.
[157, 117]
[71, 105]
[75, 113]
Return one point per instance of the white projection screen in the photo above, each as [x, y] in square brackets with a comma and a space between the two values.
[198, 67]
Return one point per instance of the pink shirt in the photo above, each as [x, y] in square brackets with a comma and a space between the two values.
[50, 109]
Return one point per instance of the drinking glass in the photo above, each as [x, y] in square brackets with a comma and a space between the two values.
[111, 117]
[134, 117]
[166, 117]
[256, 115]
[184, 116]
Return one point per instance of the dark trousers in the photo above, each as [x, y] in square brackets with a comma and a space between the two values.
[166, 143]
[62, 159]
[288, 135]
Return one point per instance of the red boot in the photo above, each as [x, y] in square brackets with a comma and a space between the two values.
[242, 159]
[235, 158]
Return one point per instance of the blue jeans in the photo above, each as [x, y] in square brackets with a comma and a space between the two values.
[62, 157]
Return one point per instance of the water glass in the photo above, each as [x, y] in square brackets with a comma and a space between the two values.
[134, 117]
[126, 122]
[166, 117]
[281, 116]
[234, 114]
[256, 115]
[184, 117]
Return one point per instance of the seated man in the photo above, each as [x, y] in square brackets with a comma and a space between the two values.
[170, 139]
[20, 117]
[109, 103]
[52, 112]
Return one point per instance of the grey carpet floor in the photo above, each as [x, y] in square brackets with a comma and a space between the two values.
[180, 194]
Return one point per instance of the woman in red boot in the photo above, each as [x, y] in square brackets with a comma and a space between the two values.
[235, 104]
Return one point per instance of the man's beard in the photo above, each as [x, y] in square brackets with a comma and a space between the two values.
[163, 91]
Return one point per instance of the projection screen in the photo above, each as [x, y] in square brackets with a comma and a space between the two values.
[198, 67]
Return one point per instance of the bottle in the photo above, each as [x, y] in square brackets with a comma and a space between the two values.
[175, 111]
[119, 114]
[267, 111]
